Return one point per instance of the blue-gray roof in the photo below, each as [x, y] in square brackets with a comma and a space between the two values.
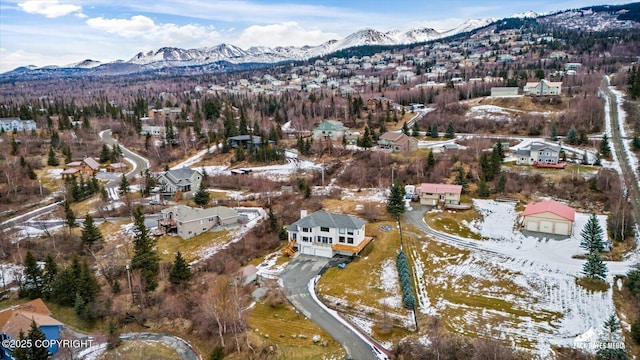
[323, 218]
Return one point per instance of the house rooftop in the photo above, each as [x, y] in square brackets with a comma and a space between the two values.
[323, 218]
[185, 213]
[440, 188]
[542, 146]
[551, 206]
[19, 317]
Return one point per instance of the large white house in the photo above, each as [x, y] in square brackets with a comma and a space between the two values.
[543, 87]
[14, 123]
[183, 180]
[327, 234]
[538, 153]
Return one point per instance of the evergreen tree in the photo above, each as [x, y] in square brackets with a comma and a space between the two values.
[405, 128]
[49, 276]
[383, 127]
[366, 141]
[145, 257]
[239, 154]
[450, 132]
[430, 159]
[36, 350]
[572, 136]
[415, 130]
[554, 131]
[500, 185]
[124, 186]
[395, 203]
[201, 197]
[33, 278]
[90, 232]
[461, 179]
[434, 131]
[636, 143]
[21, 352]
[605, 150]
[52, 160]
[70, 217]
[105, 154]
[483, 189]
[500, 150]
[180, 272]
[592, 235]
[594, 268]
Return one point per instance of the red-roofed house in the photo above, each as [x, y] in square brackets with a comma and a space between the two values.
[549, 217]
[17, 318]
[432, 194]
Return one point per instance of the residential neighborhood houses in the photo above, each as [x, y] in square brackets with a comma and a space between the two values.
[469, 227]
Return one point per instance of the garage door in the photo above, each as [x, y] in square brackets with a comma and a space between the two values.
[532, 225]
[307, 250]
[562, 228]
[546, 227]
[324, 252]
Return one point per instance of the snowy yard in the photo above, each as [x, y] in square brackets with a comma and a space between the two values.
[520, 288]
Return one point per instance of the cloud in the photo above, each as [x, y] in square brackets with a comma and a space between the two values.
[144, 28]
[283, 34]
[14, 59]
[48, 8]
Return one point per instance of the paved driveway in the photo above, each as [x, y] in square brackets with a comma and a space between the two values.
[295, 278]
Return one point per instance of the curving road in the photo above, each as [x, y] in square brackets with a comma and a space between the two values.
[296, 277]
[139, 162]
[184, 350]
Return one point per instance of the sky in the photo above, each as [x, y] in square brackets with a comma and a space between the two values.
[62, 32]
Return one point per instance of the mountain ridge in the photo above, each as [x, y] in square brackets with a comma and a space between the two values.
[221, 56]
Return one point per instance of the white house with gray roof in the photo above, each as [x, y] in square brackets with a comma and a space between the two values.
[327, 234]
[14, 123]
[538, 153]
[183, 180]
[187, 222]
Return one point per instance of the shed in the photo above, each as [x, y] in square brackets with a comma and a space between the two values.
[549, 217]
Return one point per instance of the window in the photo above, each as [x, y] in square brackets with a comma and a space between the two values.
[341, 239]
[324, 229]
[350, 240]
[349, 231]
[305, 239]
[341, 231]
[294, 236]
[306, 229]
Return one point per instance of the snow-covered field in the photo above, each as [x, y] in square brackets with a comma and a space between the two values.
[491, 112]
[518, 287]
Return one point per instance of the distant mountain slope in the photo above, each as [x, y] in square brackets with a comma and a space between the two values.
[224, 57]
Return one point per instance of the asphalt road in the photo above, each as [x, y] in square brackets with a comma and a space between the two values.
[295, 279]
[140, 163]
[628, 176]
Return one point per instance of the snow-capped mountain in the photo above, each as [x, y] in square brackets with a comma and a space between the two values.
[526, 14]
[84, 64]
[170, 56]
[223, 57]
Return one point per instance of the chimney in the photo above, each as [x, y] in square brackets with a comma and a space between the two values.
[303, 214]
